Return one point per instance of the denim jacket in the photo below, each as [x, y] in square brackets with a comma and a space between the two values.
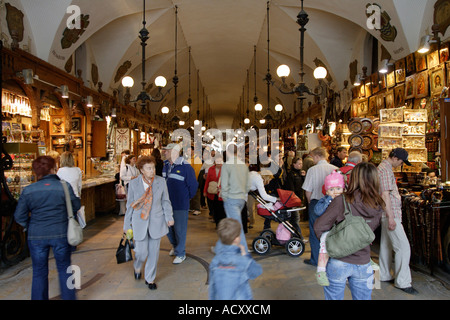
[229, 273]
[42, 208]
[322, 205]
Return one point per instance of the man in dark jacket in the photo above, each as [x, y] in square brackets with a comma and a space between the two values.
[341, 154]
[294, 182]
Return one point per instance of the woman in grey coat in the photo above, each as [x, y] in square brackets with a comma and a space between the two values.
[149, 214]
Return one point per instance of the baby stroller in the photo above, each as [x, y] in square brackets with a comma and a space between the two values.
[287, 235]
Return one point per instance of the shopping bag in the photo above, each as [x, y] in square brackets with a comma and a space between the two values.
[81, 217]
[120, 192]
[123, 253]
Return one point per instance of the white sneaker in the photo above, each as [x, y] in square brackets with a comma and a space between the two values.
[172, 252]
[196, 212]
[179, 260]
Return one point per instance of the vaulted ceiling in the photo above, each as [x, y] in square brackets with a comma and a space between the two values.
[222, 35]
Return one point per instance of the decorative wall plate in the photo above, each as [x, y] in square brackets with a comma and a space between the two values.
[367, 125]
[375, 144]
[375, 124]
[368, 153]
[355, 126]
[367, 142]
[355, 149]
[356, 140]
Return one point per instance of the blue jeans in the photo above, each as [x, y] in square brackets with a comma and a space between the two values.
[360, 280]
[177, 233]
[313, 241]
[39, 251]
[233, 209]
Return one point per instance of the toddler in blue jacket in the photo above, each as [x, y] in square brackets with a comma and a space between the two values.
[232, 267]
[334, 185]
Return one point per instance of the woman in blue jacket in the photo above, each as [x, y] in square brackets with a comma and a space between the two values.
[42, 212]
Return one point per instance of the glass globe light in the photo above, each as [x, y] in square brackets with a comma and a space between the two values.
[278, 107]
[258, 107]
[185, 109]
[127, 82]
[246, 120]
[160, 81]
[283, 71]
[181, 123]
[320, 73]
[165, 110]
[196, 122]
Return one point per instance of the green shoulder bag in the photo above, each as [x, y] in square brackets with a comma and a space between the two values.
[349, 236]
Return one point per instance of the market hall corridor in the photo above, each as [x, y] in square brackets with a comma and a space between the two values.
[283, 278]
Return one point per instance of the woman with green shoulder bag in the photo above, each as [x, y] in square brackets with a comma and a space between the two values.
[362, 199]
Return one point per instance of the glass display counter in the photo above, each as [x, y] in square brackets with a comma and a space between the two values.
[21, 173]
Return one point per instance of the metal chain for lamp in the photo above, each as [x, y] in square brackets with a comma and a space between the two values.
[143, 96]
[301, 88]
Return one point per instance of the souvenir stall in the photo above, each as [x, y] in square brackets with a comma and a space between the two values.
[46, 110]
[406, 108]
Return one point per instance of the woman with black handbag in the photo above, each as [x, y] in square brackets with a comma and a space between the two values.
[364, 200]
[149, 214]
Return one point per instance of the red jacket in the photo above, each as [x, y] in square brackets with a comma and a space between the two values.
[212, 177]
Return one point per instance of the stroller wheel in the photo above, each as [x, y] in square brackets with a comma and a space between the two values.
[295, 247]
[261, 245]
[269, 234]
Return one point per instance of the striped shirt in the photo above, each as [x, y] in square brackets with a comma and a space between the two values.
[387, 183]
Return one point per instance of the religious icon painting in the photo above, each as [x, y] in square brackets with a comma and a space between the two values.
[400, 71]
[382, 81]
[422, 84]
[410, 66]
[448, 73]
[390, 99]
[380, 102]
[437, 81]
[368, 89]
[372, 106]
[363, 107]
[375, 83]
[399, 95]
[362, 91]
[410, 87]
[433, 59]
[421, 61]
[390, 79]
[443, 54]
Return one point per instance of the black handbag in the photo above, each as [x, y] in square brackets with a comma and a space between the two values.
[123, 253]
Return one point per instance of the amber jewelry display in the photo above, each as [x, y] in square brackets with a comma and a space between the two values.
[415, 115]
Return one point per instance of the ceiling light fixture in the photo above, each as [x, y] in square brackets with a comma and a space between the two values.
[283, 71]
[64, 91]
[424, 46]
[160, 81]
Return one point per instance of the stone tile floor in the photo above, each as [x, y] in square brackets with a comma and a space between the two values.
[283, 278]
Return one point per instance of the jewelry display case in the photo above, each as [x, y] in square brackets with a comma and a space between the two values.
[415, 115]
[391, 130]
[413, 142]
[21, 173]
[391, 115]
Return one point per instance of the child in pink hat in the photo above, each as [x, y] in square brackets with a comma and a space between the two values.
[334, 185]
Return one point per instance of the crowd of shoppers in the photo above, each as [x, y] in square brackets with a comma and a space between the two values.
[158, 195]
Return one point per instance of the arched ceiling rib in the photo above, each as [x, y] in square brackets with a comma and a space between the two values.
[221, 35]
